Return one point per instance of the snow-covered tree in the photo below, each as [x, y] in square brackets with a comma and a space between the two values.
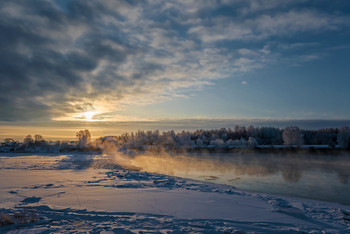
[84, 138]
[269, 136]
[344, 137]
[184, 138]
[292, 136]
[251, 131]
[252, 143]
[199, 143]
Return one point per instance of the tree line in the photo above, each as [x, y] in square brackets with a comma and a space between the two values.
[237, 137]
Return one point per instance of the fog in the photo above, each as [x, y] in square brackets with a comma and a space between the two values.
[291, 167]
[299, 175]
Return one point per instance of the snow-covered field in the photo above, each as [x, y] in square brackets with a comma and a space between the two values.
[91, 193]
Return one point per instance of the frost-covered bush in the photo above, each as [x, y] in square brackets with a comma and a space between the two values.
[237, 143]
[218, 143]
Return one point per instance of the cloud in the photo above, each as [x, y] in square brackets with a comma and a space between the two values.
[61, 58]
[266, 25]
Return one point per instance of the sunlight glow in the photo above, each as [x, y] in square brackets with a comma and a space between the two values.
[89, 115]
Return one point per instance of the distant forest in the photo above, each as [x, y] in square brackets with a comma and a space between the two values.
[224, 138]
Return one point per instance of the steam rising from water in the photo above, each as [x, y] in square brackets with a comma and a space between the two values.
[232, 166]
[229, 167]
[299, 175]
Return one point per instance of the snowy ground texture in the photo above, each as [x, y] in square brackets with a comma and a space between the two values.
[85, 193]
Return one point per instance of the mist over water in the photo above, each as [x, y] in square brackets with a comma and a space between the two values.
[320, 177]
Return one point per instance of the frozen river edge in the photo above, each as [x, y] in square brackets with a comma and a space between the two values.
[76, 193]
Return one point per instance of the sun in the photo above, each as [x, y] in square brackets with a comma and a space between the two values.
[89, 115]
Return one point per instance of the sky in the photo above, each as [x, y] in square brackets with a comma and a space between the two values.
[113, 61]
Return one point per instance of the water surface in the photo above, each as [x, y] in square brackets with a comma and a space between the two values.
[320, 177]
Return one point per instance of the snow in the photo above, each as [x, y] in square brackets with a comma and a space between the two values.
[86, 193]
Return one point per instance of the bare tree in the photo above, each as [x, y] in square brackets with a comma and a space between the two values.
[38, 138]
[28, 140]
